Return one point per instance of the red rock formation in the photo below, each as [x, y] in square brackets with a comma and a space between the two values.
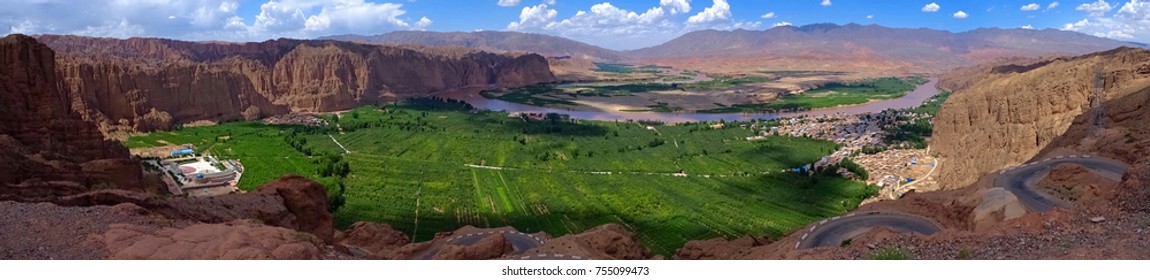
[608, 241]
[305, 199]
[144, 84]
[238, 240]
[376, 241]
[47, 150]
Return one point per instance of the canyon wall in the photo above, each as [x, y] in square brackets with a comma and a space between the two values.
[1010, 115]
[145, 84]
[46, 149]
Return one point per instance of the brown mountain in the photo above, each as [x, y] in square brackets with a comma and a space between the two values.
[859, 47]
[46, 149]
[143, 84]
[493, 41]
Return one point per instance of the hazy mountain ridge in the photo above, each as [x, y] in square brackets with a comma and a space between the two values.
[925, 49]
[493, 41]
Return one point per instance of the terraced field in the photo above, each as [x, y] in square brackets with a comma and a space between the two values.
[426, 168]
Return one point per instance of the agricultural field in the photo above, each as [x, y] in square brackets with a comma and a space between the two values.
[833, 94]
[257, 146]
[429, 166]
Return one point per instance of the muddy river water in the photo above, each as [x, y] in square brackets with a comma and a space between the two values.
[916, 97]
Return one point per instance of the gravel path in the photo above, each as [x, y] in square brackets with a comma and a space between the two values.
[49, 231]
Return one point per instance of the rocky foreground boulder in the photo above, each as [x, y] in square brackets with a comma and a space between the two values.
[307, 201]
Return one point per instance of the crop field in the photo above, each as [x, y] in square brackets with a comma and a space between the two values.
[425, 168]
[258, 147]
[833, 94]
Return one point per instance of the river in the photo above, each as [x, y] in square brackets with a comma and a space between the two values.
[920, 94]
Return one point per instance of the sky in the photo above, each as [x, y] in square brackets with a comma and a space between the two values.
[614, 24]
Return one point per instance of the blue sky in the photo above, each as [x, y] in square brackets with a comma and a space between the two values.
[620, 24]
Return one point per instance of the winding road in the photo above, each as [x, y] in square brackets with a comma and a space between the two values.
[1020, 180]
[520, 242]
[833, 231]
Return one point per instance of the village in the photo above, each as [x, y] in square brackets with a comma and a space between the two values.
[187, 173]
[894, 171]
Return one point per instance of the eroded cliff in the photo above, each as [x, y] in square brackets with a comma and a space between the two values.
[1017, 110]
[145, 84]
[47, 150]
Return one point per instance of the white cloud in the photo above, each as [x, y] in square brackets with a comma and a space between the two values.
[1030, 7]
[614, 27]
[1052, 6]
[718, 12]
[769, 15]
[960, 15]
[422, 24]
[675, 6]
[510, 3]
[930, 8]
[825, 3]
[1026, 26]
[206, 19]
[869, 16]
[782, 23]
[1130, 22]
[549, 2]
[538, 16]
[1095, 9]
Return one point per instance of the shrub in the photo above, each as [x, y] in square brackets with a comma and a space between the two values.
[891, 253]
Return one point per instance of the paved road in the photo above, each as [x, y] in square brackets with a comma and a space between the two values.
[832, 232]
[1020, 180]
[520, 242]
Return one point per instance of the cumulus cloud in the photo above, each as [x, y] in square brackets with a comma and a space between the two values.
[614, 27]
[1030, 7]
[1130, 22]
[1026, 26]
[510, 3]
[825, 3]
[960, 15]
[718, 12]
[930, 8]
[422, 24]
[769, 15]
[869, 16]
[782, 23]
[535, 17]
[1095, 9]
[206, 19]
[1052, 6]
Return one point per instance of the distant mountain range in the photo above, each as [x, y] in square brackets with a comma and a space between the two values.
[492, 41]
[809, 47]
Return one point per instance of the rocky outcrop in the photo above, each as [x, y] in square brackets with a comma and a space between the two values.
[238, 240]
[307, 201]
[719, 248]
[292, 202]
[608, 241]
[1008, 117]
[144, 84]
[46, 149]
[373, 240]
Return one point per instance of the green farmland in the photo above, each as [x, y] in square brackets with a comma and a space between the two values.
[428, 167]
[833, 94]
